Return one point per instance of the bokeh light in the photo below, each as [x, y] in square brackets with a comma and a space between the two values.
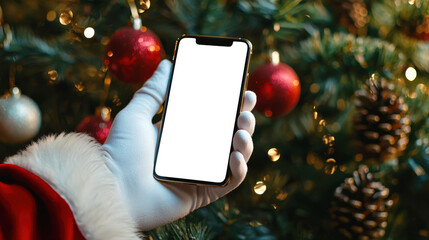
[260, 187]
[274, 154]
[89, 32]
[66, 17]
[53, 75]
[411, 73]
[51, 15]
[275, 57]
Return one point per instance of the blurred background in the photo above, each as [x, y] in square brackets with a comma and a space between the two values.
[342, 134]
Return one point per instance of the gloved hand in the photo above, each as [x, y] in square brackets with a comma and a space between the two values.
[130, 150]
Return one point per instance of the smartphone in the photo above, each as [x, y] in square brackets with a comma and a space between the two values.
[203, 101]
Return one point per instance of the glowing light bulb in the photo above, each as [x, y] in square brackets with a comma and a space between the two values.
[275, 56]
[276, 27]
[330, 166]
[89, 32]
[16, 91]
[260, 187]
[411, 73]
[145, 4]
[66, 17]
[274, 154]
[53, 75]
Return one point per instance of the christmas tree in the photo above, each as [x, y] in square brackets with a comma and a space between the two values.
[342, 134]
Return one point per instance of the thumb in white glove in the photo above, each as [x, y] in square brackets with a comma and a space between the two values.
[130, 150]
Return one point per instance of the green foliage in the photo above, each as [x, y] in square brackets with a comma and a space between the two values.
[361, 54]
[230, 223]
[202, 17]
[217, 221]
[399, 15]
[352, 59]
[398, 23]
[183, 230]
[418, 150]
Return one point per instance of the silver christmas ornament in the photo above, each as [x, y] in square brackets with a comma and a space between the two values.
[20, 117]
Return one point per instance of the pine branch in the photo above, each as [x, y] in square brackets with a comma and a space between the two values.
[363, 55]
[183, 229]
[339, 62]
[39, 55]
[229, 222]
[201, 17]
[399, 23]
[25, 44]
[398, 14]
[418, 110]
[261, 8]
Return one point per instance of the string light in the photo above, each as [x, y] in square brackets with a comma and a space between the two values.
[53, 75]
[79, 86]
[89, 32]
[15, 91]
[274, 154]
[328, 140]
[144, 4]
[315, 113]
[275, 58]
[51, 15]
[66, 17]
[330, 166]
[260, 187]
[276, 27]
[411, 73]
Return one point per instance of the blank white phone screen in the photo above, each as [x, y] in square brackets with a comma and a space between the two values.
[199, 121]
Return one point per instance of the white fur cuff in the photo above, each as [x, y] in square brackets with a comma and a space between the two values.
[74, 166]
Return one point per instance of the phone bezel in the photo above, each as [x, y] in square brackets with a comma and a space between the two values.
[205, 40]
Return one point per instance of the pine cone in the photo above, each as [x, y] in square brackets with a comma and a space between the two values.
[380, 125]
[359, 210]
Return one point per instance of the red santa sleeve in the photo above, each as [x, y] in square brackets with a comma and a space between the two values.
[61, 188]
[31, 209]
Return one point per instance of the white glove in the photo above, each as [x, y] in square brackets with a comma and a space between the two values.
[130, 150]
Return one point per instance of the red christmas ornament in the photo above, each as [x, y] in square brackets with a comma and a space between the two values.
[133, 55]
[277, 87]
[97, 126]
